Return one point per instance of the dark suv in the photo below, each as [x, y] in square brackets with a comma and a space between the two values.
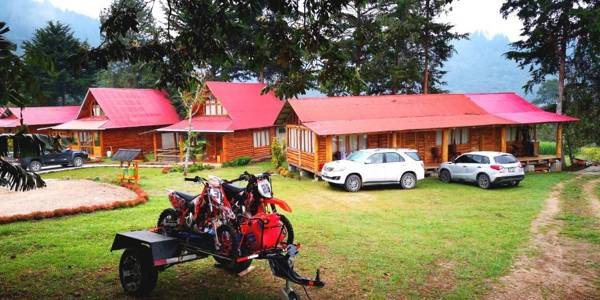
[63, 157]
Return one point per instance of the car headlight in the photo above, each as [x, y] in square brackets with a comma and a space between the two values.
[339, 168]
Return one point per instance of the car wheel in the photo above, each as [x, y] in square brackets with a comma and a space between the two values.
[483, 181]
[408, 181]
[353, 183]
[515, 183]
[445, 176]
[35, 166]
[77, 162]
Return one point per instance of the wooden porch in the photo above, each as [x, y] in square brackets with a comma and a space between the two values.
[308, 151]
[175, 151]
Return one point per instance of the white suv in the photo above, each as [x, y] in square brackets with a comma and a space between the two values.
[375, 166]
[486, 168]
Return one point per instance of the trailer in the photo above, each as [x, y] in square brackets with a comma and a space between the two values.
[148, 252]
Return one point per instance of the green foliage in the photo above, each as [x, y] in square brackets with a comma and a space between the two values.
[191, 168]
[591, 153]
[547, 148]
[238, 162]
[387, 47]
[15, 79]
[277, 153]
[49, 57]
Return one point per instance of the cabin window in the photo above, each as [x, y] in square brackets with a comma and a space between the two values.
[438, 137]
[344, 145]
[261, 138]
[460, 136]
[511, 134]
[97, 111]
[301, 139]
[212, 107]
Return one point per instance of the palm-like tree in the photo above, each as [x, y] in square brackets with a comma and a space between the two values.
[11, 72]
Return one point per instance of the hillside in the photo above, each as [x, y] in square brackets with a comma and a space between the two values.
[25, 16]
[479, 66]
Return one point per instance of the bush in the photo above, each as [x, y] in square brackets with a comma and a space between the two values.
[240, 161]
[590, 153]
[191, 168]
[277, 154]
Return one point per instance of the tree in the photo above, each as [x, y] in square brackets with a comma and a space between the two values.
[125, 73]
[192, 102]
[547, 94]
[217, 36]
[387, 47]
[549, 28]
[49, 57]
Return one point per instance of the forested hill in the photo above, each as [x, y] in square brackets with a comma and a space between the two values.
[25, 16]
[479, 66]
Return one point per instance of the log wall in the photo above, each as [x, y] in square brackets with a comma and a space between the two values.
[128, 138]
[241, 143]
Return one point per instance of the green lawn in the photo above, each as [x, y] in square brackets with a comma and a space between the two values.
[437, 241]
[576, 212]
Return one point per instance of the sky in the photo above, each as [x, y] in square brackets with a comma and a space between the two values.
[468, 16]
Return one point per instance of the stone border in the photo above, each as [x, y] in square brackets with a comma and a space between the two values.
[141, 197]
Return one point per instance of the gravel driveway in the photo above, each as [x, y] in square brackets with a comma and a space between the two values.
[61, 194]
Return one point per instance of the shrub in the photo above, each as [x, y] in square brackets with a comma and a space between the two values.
[277, 154]
[590, 153]
[240, 161]
[191, 168]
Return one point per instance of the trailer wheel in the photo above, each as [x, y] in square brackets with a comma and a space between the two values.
[229, 246]
[137, 272]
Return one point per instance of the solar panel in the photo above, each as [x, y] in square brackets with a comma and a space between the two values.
[126, 154]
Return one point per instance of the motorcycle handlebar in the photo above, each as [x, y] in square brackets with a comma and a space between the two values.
[195, 179]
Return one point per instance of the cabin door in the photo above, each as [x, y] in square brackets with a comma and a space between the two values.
[214, 147]
[89, 141]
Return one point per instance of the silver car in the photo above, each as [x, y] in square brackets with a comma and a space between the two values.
[486, 168]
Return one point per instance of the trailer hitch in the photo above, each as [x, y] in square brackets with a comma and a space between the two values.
[283, 266]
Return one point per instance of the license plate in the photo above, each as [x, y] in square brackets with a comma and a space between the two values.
[511, 170]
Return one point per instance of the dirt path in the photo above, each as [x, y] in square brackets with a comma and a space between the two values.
[589, 189]
[554, 266]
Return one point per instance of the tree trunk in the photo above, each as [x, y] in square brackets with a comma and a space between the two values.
[261, 76]
[561, 88]
[189, 141]
[426, 49]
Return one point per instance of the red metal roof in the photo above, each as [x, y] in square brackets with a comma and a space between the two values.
[358, 114]
[516, 109]
[132, 107]
[246, 108]
[203, 124]
[37, 116]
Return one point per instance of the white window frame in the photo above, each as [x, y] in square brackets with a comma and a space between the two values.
[260, 138]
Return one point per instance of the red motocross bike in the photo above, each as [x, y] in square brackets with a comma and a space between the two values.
[241, 221]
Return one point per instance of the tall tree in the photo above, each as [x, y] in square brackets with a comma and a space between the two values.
[549, 28]
[49, 57]
[125, 73]
[14, 78]
[433, 40]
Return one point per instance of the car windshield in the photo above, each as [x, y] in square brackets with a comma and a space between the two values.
[358, 156]
[505, 159]
[413, 155]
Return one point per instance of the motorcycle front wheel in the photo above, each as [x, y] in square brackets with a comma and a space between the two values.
[229, 246]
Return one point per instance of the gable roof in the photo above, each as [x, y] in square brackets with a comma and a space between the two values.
[358, 114]
[124, 108]
[38, 116]
[246, 108]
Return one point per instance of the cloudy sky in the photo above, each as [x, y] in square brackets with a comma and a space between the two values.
[467, 15]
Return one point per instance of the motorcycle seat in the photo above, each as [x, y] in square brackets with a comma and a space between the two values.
[185, 196]
[230, 188]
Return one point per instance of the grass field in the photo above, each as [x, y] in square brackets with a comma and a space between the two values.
[577, 213]
[436, 241]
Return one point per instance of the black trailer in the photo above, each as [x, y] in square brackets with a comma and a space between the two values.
[147, 253]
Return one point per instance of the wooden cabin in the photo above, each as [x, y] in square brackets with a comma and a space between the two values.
[114, 118]
[35, 118]
[235, 120]
[439, 126]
